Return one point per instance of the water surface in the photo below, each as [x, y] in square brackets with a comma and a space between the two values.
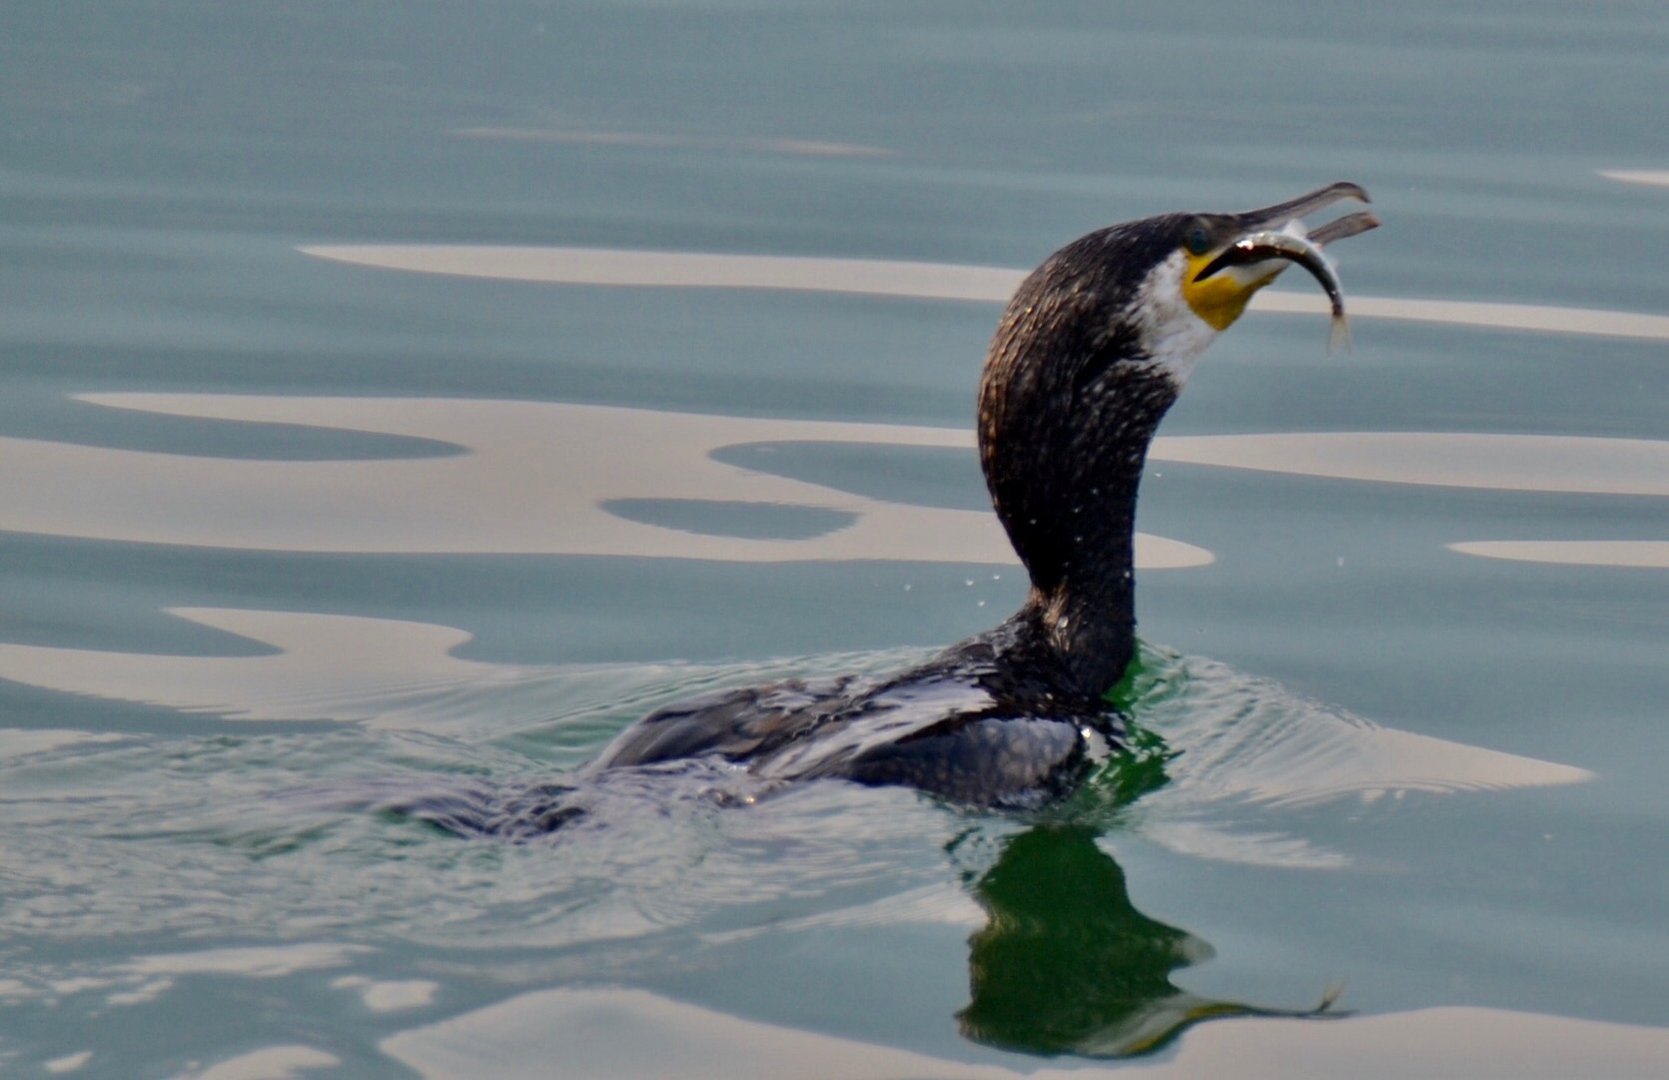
[395, 403]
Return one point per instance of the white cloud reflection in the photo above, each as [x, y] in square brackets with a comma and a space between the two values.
[1640, 554]
[655, 1036]
[535, 480]
[541, 478]
[1655, 177]
[270, 1063]
[1549, 463]
[914, 280]
[324, 667]
[648, 140]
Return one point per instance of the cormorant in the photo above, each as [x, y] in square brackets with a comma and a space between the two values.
[1092, 350]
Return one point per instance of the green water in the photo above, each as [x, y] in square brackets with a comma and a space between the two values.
[405, 552]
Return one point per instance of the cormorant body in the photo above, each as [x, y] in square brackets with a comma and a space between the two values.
[1091, 352]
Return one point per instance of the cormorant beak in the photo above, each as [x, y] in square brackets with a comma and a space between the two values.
[1261, 243]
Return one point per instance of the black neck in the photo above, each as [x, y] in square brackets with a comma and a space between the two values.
[1064, 481]
[1083, 595]
[1089, 615]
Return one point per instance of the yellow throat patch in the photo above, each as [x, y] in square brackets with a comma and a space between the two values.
[1221, 298]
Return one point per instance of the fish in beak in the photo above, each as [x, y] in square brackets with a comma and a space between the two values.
[1232, 256]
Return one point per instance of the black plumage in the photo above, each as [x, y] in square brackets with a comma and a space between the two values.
[1088, 357]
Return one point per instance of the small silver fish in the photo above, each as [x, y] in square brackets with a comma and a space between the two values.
[1304, 249]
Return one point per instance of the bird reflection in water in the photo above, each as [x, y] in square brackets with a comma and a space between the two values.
[1066, 964]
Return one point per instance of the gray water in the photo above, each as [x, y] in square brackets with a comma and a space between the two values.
[312, 497]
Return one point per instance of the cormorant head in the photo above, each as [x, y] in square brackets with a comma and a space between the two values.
[1091, 352]
[1154, 293]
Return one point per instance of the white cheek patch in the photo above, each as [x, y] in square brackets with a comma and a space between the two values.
[1172, 335]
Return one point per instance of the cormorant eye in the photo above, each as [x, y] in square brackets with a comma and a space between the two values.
[1198, 241]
